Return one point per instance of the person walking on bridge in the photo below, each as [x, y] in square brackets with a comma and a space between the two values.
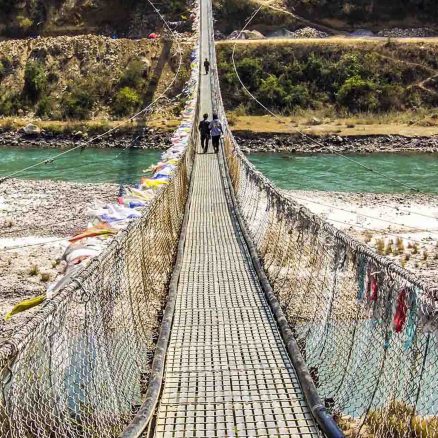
[204, 129]
[216, 131]
[207, 66]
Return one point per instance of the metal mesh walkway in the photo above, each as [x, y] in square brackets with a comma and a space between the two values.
[227, 370]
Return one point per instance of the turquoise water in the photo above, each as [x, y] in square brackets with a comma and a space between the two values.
[288, 171]
[89, 166]
[335, 173]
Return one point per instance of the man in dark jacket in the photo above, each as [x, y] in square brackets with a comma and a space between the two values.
[206, 66]
[204, 129]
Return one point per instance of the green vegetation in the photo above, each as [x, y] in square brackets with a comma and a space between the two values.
[73, 85]
[46, 17]
[347, 78]
[9, 104]
[78, 103]
[24, 23]
[126, 102]
[134, 74]
[35, 81]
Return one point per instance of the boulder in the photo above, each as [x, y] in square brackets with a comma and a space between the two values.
[281, 33]
[315, 121]
[246, 35]
[32, 129]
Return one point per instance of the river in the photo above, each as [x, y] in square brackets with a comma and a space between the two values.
[335, 173]
[121, 166]
[288, 171]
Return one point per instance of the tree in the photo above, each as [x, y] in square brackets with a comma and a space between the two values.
[126, 102]
[35, 81]
[358, 94]
[250, 71]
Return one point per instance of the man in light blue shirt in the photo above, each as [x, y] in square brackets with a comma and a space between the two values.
[215, 132]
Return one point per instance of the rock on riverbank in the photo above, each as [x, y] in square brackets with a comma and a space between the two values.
[147, 139]
[358, 144]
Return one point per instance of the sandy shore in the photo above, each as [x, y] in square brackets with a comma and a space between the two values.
[36, 218]
[403, 227]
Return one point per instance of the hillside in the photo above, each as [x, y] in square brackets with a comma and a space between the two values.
[86, 77]
[368, 13]
[338, 76]
[133, 18]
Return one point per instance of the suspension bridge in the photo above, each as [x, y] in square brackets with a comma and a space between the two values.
[226, 311]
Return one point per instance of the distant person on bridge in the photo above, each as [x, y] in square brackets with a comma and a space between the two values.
[206, 66]
[204, 129]
[216, 131]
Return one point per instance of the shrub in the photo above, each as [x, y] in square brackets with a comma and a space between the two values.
[77, 104]
[24, 23]
[35, 81]
[350, 65]
[134, 74]
[9, 104]
[44, 107]
[271, 92]
[297, 96]
[250, 71]
[391, 97]
[2, 70]
[98, 86]
[126, 101]
[358, 94]
[313, 66]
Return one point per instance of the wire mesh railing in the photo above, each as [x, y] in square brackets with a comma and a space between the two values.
[81, 366]
[367, 328]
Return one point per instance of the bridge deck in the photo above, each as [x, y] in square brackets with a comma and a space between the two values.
[227, 370]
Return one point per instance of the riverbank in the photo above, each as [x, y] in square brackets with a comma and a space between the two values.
[31, 213]
[144, 138]
[403, 227]
[157, 139]
[296, 143]
[409, 124]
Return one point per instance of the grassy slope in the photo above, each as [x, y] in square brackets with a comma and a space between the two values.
[96, 65]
